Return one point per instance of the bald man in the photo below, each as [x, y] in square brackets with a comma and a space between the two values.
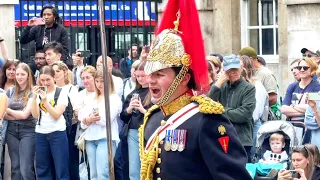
[117, 82]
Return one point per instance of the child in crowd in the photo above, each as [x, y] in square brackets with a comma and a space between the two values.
[273, 160]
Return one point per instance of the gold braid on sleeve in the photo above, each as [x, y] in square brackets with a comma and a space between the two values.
[148, 158]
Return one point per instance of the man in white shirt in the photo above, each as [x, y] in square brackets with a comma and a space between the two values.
[117, 82]
[77, 69]
[129, 84]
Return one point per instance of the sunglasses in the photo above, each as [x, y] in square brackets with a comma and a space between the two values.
[294, 68]
[305, 68]
[309, 55]
[13, 60]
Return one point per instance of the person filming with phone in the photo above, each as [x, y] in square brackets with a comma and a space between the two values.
[305, 164]
[312, 117]
[48, 104]
[134, 108]
[46, 29]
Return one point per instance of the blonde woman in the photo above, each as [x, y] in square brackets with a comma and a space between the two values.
[63, 81]
[93, 119]
[20, 134]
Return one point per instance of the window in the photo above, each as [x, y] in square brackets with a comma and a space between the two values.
[259, 27]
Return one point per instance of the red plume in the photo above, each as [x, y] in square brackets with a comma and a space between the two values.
[191, 35]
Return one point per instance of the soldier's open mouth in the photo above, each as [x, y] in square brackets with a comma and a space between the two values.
[155, 91]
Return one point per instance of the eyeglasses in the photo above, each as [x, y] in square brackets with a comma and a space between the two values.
[305, 68]
[294, 68]
[300, 149]
[39, 58]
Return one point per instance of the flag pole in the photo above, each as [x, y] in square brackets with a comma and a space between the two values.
[106, 87]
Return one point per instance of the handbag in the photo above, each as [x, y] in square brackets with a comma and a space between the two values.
[125, 130]
[81, 142]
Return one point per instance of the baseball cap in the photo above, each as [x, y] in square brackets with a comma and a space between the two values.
[218, 56]
[248, 51]
[310, 53]
[231, 62]
[261, 60]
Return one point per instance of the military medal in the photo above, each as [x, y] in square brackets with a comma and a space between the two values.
[167, 145]
[174, 145]
[182, 140]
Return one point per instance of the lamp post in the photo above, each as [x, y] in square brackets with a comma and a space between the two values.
[106, 88]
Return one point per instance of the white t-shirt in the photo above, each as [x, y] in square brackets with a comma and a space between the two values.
[83, 98]
[97, 130]
[127, 89]
[47, 123]
[72, 93]
[118, 85]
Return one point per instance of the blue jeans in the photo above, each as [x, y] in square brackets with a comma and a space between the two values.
[134, 158]
[21, 145]
[97, 151]
[52, 156]
[256, 127]
[73, 153]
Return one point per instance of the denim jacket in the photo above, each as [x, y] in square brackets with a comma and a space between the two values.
[5, 122]
[313, 125]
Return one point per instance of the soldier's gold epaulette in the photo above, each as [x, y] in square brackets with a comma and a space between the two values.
[207, 105]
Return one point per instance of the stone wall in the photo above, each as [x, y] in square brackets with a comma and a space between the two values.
[7, 28]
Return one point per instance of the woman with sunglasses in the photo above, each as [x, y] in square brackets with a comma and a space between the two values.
[8, 77]
[294, 103]
[20, 125]
[304, 165]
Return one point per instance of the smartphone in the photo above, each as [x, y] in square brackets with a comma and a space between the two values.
[147, 49]
[95, 110]
[293, 173]
[135, 96]
[314, 96]
[85, 53]
[40, 21]
[43, 88]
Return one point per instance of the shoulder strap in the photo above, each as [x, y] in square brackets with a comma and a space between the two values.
[11, 89]
[123, 88]
[56, 95]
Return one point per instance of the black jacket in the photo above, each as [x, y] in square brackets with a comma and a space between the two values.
[316, 173]
[203, 157]
[136, 117]
[55, 33]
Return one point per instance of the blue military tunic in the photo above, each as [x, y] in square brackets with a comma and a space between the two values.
[204, 156]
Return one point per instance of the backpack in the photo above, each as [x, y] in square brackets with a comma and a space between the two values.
[124, 85]
[276, 108]
[67, 114]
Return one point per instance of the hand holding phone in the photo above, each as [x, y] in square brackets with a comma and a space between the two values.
[314, 96]
[84, 53]
[40, 21]
[96, 110]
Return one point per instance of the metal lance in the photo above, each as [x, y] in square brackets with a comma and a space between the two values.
[106, 88]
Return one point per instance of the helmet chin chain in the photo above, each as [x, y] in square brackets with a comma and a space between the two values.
[177, 80]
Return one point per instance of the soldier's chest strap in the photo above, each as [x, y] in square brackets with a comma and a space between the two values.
[173, 122]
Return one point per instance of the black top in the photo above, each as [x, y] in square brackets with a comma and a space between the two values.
[136, 117]
[203, 157]
[55, 33]
[316, 173]
[18, 104]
